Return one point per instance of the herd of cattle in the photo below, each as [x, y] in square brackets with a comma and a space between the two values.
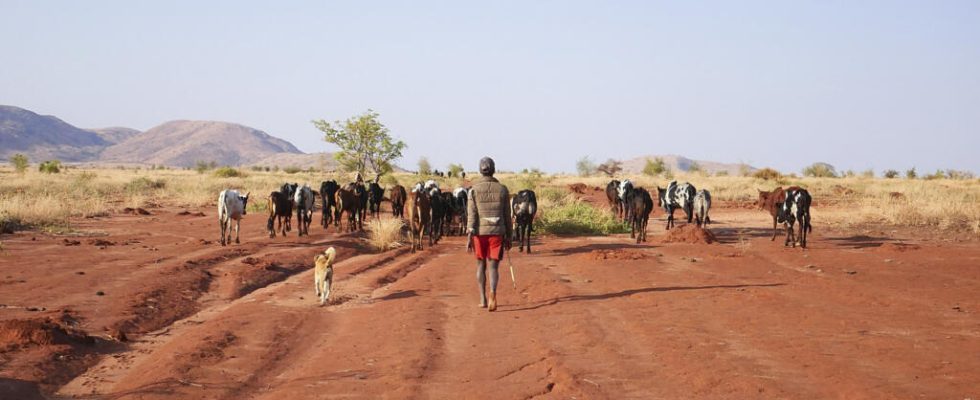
[431, 212]
[434, 213]
[634, 205]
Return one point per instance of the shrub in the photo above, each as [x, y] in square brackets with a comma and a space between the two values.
[610, 167]
[868, 173]
[891, 174]
[204, 166]
[424, 167]
[571, 216]
[144, 184]
[767, 174]
[228, 172]
[455, 170]
[585, 166]
[956, 174]
[911, 174]
[820, 170]
[939, 174]
[529, 179]
[256, 168]
[385, 233]
[20, 163]
[721, 173]
[292, 170]
[654, 167]
[50, 167]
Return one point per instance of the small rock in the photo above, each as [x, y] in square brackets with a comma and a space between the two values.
[810, 266]
[957, 308]
[100, 293]
[850, 272]
[80, 272]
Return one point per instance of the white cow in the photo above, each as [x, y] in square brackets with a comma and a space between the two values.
[231, 206]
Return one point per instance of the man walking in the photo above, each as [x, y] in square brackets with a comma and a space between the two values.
[489, 224]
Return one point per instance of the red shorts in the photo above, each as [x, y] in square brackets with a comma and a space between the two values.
[488, 246]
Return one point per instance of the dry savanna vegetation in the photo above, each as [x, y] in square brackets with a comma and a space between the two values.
[49, 201]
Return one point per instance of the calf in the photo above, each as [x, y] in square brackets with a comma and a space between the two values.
[304, 201]
[677, 196]
[771, 201]
[795, 208]
[231, 206]
[640, 204]
[398, 198]
[702, 203]
[623, 193]
[328, 200]
[375, 195]
[524, 206]
[418, 216]
[281, 210]
[611, 194]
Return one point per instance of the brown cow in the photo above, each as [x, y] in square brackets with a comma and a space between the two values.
[349, 201]
[771, 201]
[418, 217]
[398, 197]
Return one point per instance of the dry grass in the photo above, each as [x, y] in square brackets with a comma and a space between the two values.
[41, 200]
[385, 233]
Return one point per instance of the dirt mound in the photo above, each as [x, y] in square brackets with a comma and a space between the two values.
[578, 188]
[620, 254]
[897, 247]
[37, 332]
[135, 211]
[689, 233]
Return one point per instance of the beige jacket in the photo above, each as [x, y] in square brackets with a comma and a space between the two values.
[488, 208]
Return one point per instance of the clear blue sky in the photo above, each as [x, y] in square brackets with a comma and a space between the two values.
[858, 84]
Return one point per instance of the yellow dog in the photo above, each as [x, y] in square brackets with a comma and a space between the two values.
[323, 274]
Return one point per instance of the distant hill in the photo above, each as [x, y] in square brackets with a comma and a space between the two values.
[115, 134]
[321, 161]
[44, 137]
[680, 163]
[184, 143]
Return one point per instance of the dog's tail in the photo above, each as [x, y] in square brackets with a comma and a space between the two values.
[331, 253]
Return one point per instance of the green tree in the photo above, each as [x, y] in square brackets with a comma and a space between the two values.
[19, 162]
[910, 173]
[50, 167]
[890, 174]
[654, 167]
[364, 143]
[585, 166]
[424, 167]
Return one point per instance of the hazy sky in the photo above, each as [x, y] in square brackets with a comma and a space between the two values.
[858, 84]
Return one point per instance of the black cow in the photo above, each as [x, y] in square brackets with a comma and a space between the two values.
[281, 210]
[328, 197]
[375, 195]
[437, 217]
[524, 205]
[640, 204]
[289, 189]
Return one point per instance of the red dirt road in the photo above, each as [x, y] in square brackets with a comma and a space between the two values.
[854, 316]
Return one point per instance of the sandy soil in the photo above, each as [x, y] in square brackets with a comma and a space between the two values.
[150, 306]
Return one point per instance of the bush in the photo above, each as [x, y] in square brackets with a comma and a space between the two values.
[228, 172]
[939, 174]
[424, 167]
[956, 174]
[571, 216]
[868, 173]
[455, 170]
[891, 174]
[292, 170]
[204, 166]
[767, 174]
[20, 163]
[585, 166]
[911, 174]
[385, 233]
[721, 173]
[144, 184]
[610, 167]
[529, 179]
[654, 167]
[50, 167]
[820, 170]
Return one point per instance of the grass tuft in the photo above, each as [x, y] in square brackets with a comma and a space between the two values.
[385, 233]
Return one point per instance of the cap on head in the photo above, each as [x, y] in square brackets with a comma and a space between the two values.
[486, 166]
